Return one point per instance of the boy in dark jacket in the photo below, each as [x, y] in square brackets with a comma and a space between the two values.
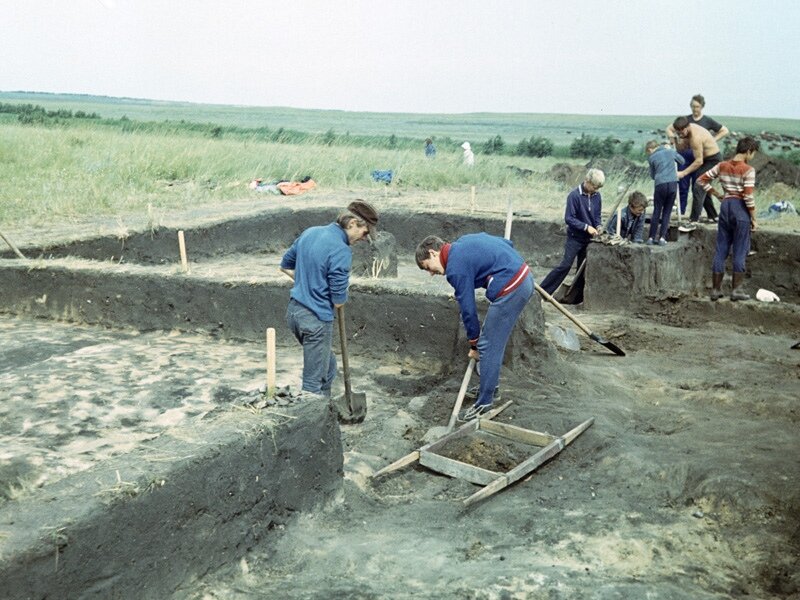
[582, 217]
[631, 219]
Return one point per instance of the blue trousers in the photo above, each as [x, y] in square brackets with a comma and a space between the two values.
[663, 201]
[572, 248]
[497, 326]
[685, 184]
[733, 230]
[316, 336]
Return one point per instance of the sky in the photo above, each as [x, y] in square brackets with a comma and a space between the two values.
[637, 57]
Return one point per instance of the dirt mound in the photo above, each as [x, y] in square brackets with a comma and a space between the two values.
[566, 173]
[619, 165]
[771, 170]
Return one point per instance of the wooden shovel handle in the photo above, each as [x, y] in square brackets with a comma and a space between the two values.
[563, 310]
[345, 359]
[461, 393]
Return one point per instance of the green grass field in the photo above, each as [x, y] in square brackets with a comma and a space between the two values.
[57, 172]
[475, 127]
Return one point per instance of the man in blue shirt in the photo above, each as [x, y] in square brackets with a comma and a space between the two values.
[480, 260]
[319, 261]
[582, 217]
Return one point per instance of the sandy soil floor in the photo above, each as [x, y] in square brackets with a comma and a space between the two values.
[686, 486]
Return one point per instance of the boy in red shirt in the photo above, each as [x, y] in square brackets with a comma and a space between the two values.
[737, 216]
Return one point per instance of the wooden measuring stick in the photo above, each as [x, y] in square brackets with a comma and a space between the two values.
[619, 220]
[270, 362]
[182, 246]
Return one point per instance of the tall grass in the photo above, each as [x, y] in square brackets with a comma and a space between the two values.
[51, 174]
[63, 173]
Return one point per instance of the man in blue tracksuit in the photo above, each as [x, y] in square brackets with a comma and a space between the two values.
[319, 261]
[479, 260]
[582, 217]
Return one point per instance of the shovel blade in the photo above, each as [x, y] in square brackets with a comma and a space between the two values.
[352, 409]
[610, 345]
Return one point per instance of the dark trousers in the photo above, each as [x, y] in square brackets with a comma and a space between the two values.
[733, 231]
[685, 184]
[663, 201]
[572, 248]
[700, 199]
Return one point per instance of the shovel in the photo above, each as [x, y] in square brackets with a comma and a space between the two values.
[567, 292]
[610, 345]
[353, 407]
[434, 433]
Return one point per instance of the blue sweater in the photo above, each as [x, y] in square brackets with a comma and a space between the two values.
[662, 165]
[479, 260]
[582, 211]
[321, 259]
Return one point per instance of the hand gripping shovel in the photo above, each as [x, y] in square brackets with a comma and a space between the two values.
[610, 345]
[353, 407]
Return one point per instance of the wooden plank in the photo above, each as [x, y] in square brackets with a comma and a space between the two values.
[465, 429]
[530, 464]
[398, 464]
[456, 468]
[517, 434]
[573, 433]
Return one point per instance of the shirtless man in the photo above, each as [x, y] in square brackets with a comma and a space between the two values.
[706, 155]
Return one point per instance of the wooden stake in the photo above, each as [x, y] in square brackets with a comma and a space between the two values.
[472, 200]
[182, 246]
[619, 220]
[509, 218]
[270, 362]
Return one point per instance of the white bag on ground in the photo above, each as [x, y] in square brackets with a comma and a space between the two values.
[767, 296]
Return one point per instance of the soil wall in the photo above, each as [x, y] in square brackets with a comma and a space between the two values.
[625, 276]
[275, 230]
[139, 526]
[378, 320]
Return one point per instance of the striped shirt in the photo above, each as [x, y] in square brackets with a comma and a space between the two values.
[738, 180]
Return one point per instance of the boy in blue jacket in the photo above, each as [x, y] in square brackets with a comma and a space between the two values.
[319, 261]
[663, 163]
[480, 260]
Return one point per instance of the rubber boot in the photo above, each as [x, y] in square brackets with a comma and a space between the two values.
[737, 293]
[716, 286]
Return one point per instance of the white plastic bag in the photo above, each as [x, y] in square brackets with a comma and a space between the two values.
[767, 296]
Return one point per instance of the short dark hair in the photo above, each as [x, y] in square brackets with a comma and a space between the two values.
[747, 144]
[637, 199]
[431, 242]
[680, 123]
[699, 99]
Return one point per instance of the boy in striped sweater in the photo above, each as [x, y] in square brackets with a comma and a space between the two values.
[480, 260]
[737, 216]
